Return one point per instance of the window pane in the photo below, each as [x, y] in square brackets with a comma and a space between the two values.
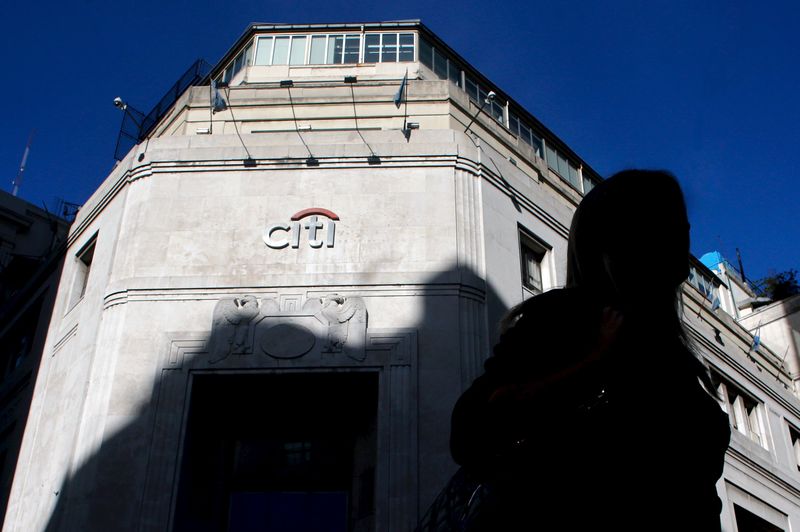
[298, 56]
[513, 125]
[588, 185]
[573, 176]
[372, 48]
[351, 48]
[264, 51]
[471, 88]
[536, 142]
[227, 76]
[439, 65]
[317, 50]
[497, 111]
[237, 64]
[562, 166]
[425, 53]
[335, 49]
[248, 55]
[454, 73]
[281, 55]
[406, 47]
[389, 52]
[551, 158]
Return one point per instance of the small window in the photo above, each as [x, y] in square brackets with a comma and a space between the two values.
[744, 411]
[264, 51]
[426, 53]
[83, 262]
[532, 255]
[352, 45]
[317, 50]
[372, 48]
[747, 521]
[298, 55]
[794, 434]
[406, 47]
[389, 48]
[281, 52]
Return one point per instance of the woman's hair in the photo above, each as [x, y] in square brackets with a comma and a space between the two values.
[629, 248]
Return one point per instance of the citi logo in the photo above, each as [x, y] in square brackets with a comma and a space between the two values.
[279, 236]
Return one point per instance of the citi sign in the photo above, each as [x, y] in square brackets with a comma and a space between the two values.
[279, 236]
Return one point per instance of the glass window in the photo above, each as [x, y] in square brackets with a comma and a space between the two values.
[372, 48]
[352, 44]
[281, 52]
[335, 49]
[389, 48]
[794, 434]
[439, 64]
[497, 111]
[248, 55]
[264, 51]
[237, 63]
[551, 158]
[471, 88]
[536, 142]
[531, 255]
[298, 55]
[454, 73]
[573, 177]
[317, 56]
[744, 411]
[426, 53]
[513, 125]
[563, 165]
[588, 184]
[406, 47]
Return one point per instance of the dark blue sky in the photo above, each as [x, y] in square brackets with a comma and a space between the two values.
[707, 90]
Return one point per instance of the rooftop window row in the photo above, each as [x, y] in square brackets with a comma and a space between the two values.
[324, 49]
[394, 47]
[447, 68]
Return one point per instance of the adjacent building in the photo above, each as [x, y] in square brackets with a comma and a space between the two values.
[32, 243]
[276, 297]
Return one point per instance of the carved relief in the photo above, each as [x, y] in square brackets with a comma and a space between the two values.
[346, 319]
[339, 322]
[232, 329]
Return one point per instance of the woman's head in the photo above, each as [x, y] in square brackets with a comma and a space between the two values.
[630, 238]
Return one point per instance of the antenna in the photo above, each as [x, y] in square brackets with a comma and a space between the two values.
[741, 266]
[18, 180]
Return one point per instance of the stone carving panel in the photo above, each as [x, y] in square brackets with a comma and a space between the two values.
[333, 325]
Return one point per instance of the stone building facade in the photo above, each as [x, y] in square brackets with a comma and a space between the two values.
[276, 298]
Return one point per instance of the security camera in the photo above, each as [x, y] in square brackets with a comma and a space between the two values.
[490, 97]
[118, 103]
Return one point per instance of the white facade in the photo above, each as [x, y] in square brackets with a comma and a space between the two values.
[401, 298]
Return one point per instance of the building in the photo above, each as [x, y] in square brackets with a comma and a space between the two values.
[31, 251]
[276, 297]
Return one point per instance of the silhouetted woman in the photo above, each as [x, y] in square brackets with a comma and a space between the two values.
[593, 412]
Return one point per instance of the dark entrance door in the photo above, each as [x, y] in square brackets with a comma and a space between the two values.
[267, 452]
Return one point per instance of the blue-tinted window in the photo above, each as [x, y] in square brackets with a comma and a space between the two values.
[352, 44]
[389, 48]
[372, 48]
[406, 47]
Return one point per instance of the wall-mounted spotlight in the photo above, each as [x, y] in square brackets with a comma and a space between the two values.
[287, 83]
[350, 79]
[412, 125]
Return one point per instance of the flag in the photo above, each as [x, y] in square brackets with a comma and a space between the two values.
[400, 95]
[756, 342]
[217, 101]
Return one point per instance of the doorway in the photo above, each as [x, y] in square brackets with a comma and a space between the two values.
[279, 452]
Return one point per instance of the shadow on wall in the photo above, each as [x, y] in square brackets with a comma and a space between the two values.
[293, 408]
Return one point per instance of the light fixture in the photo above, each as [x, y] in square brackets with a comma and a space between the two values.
[350, 79]
[287, 83]
[412, 125]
